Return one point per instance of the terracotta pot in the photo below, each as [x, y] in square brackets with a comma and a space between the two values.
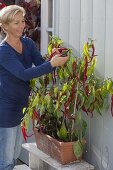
[60, 151]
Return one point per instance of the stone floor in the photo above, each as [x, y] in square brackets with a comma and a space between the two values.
[19, 162]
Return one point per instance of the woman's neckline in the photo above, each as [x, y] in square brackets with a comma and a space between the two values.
[17, 51]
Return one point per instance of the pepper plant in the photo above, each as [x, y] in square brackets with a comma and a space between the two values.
[58, 100]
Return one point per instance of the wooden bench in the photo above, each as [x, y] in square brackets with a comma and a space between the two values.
[21, 167]
[38, 160]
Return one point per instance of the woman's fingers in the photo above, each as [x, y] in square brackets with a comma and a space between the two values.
[57, 60]
[55, 50]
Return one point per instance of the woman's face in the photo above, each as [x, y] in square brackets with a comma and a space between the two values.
[15, 28]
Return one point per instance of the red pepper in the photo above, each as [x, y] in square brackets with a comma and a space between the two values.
[86, 89]
[37, 117]
[85, 70]
[73, 92]
[93, 51]
[74, 67]
[25, 133]
[93, 48]
[2, 5]
[61, 49]
[84, 109]
[52, 55]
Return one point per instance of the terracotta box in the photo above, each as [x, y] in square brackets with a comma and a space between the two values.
[60, 151]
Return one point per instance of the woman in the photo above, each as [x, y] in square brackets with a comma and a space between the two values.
[17, 54]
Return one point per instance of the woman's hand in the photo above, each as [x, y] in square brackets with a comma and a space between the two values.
[57, 60]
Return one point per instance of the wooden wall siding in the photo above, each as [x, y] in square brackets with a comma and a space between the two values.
[64, 13]
[109, 39]
[56, 17]
[75, 25]
[86, 21]
[44, 26]
[78, 20]
[97, 124]
[100, 135]
[99, 32]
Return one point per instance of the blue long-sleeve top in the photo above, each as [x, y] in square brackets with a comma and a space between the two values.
[15, 72]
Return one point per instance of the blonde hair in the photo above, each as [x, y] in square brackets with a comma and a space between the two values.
[7, 13]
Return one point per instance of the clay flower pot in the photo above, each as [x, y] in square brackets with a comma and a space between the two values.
[61, 151]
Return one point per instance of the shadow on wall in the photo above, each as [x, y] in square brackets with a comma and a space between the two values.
[100, 158]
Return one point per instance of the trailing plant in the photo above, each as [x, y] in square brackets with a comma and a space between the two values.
[58, 100]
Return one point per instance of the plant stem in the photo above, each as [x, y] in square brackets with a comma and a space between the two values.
[73, 121]
[76, 98]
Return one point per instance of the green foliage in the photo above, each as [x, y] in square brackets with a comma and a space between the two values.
[60, 98]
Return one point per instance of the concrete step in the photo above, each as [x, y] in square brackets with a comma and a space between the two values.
[21, 167]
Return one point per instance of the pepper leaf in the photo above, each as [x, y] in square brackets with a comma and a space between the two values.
[78, 149]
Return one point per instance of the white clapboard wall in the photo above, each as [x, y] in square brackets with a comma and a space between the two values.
[75, 21]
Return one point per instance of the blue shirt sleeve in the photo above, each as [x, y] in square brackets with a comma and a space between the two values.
[9, 61]
[36, 56]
